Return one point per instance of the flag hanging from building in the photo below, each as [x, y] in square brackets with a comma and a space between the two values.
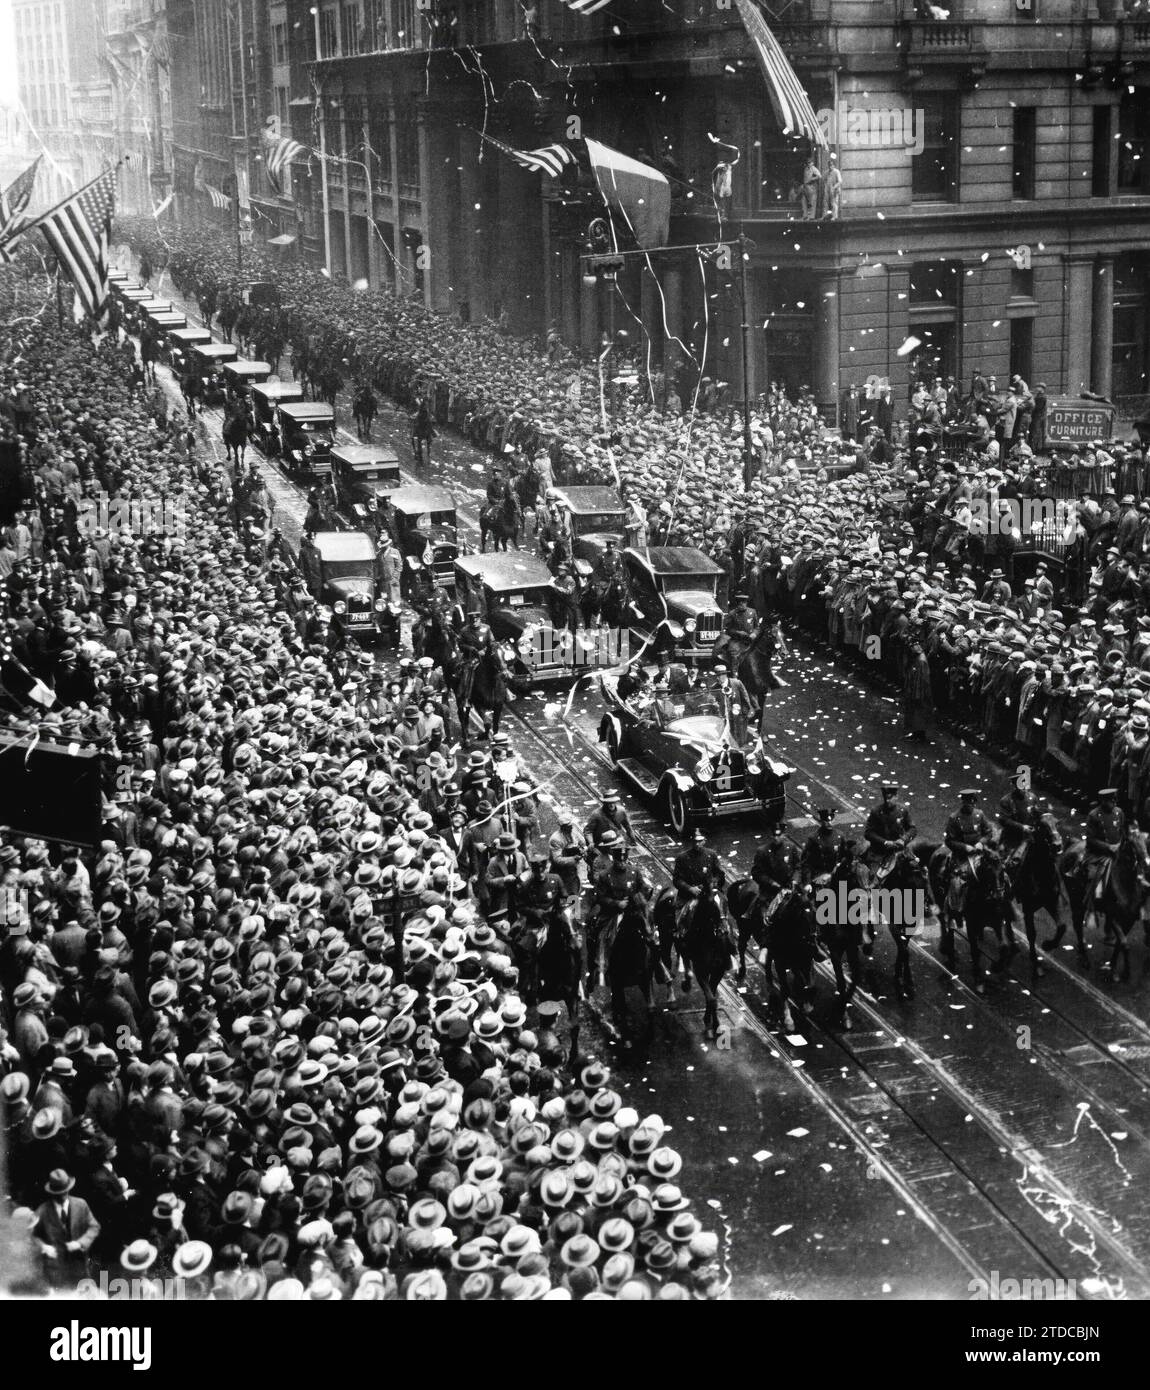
[586, 7]
[14, 204]
[788, 97]
[279, 151]
[78, 231]
[550, 159]
[641, 194]
[219, 200]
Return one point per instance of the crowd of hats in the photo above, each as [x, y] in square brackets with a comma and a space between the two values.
[209, 1035]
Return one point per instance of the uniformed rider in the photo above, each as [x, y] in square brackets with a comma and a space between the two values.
[696, 870]
[823, 849]
[615, 888]
[774, 869]
[889, 828]
[1105, 831]
[1018, 816]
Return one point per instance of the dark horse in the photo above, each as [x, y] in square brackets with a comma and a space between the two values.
[844, 940]
[1036, 881]
[755, 668]
[501, 521]
[235, 432]
[973, 896]
[549, 958]
[703, 942]
[631, 957]
[528, 487]
[789, 936]
[898, 898]
[607, 599]
[482, 686]
[1116, 897]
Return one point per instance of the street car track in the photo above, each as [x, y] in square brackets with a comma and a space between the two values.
[917, 1138]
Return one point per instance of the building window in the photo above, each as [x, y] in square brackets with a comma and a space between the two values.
[791, 297]
[1022, 348]
[380, 135]
[328, 34]
[1102, 144]
[1133, 143]
[934, 173]
[1022, 284]
[408, 25]
[352, 32]
[407, 156]
[279, 43]
[935, 283]
[1025, 136]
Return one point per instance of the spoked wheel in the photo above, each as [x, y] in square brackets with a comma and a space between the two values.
[676, 808]
[613, 744]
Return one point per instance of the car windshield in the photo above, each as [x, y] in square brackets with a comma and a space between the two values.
[522, 598]
[689, 705]
[598, 521]
[315, 426]
[347, 569]
[687, 583]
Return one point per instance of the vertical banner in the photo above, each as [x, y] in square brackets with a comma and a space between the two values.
[242, 191]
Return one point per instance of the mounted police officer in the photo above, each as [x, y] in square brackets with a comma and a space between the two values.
[615, 888]
[1105, 832]
[697, 870]
[774, 868]
[888, 830]
[1018, 813]
[823, 850]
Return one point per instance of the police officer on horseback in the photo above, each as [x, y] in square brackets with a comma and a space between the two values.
[697, 870]
[616, 888]
[1018, 813]
[1105, 832]
[968, 830]
[823, 850]
[774, 868]
[889, 829]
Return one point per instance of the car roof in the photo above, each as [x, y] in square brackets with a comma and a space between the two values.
[675, 559]
[583, 500]
[275, 390]
[171, 314]
[244, 366]
[422, 499]
[364, 455]
[307, 410]
[222, 350]
[344, 545]
[503, 571]
[200, 335]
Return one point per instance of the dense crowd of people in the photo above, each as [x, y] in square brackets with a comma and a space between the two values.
[915, 535]
[271, 1038]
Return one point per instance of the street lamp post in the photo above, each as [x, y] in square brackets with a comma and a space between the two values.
[745, 331]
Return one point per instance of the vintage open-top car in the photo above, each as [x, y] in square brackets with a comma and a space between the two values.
[363, 475]
[682, 586]
[266, 401]
[307, 436]
[595, 515]
[339, 568]
[679, 750]
[424, 527]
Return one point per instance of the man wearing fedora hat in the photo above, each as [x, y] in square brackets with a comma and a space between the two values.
[64, 1232]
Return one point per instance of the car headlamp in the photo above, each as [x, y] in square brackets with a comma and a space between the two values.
[689, 625]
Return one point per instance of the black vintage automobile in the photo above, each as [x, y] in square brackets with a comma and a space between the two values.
[677, 749]
[307, 437]
[682, 586]
[208, 360]
[423, 525]
[363, 475]
[595, 516]
[180, 344]
[340, 570]
[517, 596]
[242, 374]
[266, 401]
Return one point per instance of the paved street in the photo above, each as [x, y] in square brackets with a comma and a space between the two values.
[938, 1140]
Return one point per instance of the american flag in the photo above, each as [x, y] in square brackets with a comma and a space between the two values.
[219, 200]
[791, 104]
[550, 159]
[14, 204]
[586, 7]
[278, 154]
[78, 231]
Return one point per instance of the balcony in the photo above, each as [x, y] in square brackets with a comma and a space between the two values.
[930, 43]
